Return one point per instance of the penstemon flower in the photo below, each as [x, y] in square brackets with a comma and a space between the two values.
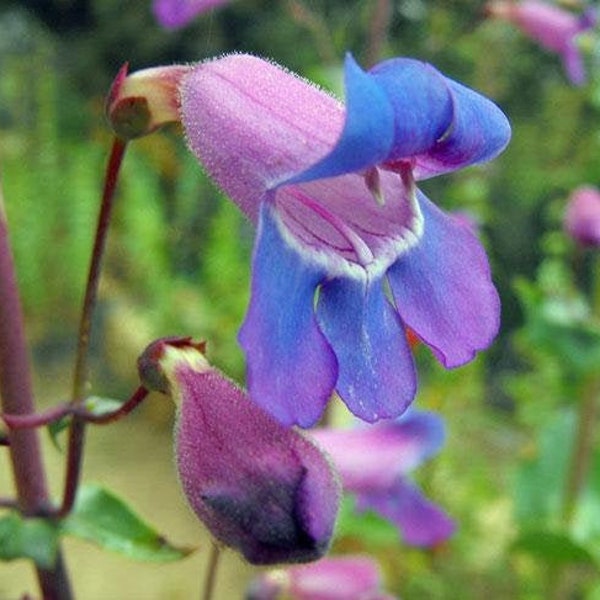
[331, 578]
[552, 27]
[173, 14]
[374, 461]
[582, 217]
[259, 487]
[332, 191]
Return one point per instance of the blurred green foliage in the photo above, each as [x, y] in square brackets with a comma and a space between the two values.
[179, 254]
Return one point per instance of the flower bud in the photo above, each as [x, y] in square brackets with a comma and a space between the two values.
[258, 486]
[582, 218]
[140, 103]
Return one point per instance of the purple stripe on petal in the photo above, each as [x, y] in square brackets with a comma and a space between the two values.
[368, 131]
[291, 368]
[421, 522]
[252, 124]
[377, 377]
[443, 289]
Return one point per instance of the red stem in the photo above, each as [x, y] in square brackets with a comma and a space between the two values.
[16, 395]
[77, 428]
[138, 396]
[63, 410]
[38, 419]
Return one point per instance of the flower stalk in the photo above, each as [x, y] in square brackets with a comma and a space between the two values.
[69, 409]
[583, 448]
[77, 428]
[16, 395]
[210, 578]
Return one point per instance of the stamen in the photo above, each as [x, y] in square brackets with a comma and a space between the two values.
[373, 182]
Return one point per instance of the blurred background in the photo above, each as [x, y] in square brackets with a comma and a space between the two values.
[178, 263]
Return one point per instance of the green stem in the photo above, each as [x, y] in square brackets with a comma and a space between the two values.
[16, 395]
[211, 575]
[317, 27]
[584, 443]
[585, 434]
[77, 428]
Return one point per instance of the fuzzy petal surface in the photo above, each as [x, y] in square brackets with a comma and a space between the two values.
[259, 487]
[252, 124]
[368, 132]
[443, 289]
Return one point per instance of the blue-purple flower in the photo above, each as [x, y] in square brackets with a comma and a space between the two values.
[339, 219]
[349, 254]
[173, 14]
[554, 28]
[374, 461]
[261, 488]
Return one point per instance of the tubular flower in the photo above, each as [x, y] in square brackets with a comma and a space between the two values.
[173, 14]
[259, 487]
[552, 27]
[373, 461]
[336, 578]
[339, 218]
[582, 218]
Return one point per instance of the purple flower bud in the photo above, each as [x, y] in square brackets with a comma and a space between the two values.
[338, 578]
[582, 218]
[258, 486]
[140, 103]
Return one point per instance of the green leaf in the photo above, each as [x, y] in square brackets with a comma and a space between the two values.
[35, 539]
[551, 547]
[561, 325]
[540, 480]
[103, 519]
[101, 406]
